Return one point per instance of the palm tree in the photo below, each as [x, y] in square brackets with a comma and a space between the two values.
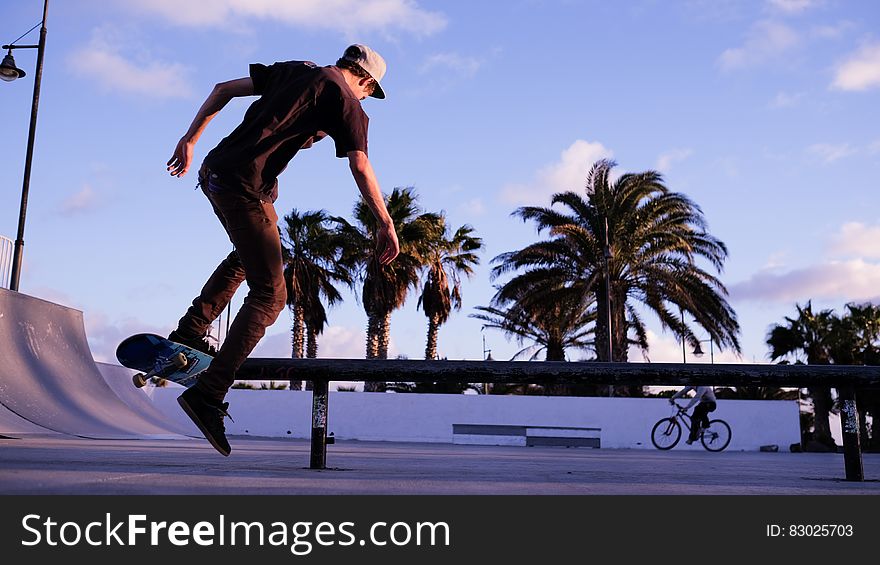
[856, 335]
[312, 269]
[560, 324]
[854, 341]
[385, 287]
[655, 238]
[809, 334]
[447, 258]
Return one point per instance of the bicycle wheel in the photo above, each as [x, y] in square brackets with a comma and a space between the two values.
[717, 436]
[666, 433]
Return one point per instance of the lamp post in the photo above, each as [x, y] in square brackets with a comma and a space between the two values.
[698, 351]
[683, 341]
[487, 356]
[606, 253]
[9, 72]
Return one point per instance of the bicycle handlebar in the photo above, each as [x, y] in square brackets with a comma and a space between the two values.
[679, 407]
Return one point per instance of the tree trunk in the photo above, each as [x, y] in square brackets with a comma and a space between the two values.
[311, 348]
[431, 346]
[384, 335]
[298, 332]
[311, 342]
[373, 323]
[620, 347]
[372, 336]
[821, 408]
[601, 335]
[556, 352]
[297, 340]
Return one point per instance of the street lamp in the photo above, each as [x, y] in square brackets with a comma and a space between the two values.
[8, 73]
[487, 356]
[698, 351]
[606, 253]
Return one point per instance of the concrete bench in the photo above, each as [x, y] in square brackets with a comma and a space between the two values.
[527, 436]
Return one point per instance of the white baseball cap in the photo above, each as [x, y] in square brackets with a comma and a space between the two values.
[369, 61]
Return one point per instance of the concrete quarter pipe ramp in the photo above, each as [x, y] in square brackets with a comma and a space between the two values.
[12, 425]
[49, 378]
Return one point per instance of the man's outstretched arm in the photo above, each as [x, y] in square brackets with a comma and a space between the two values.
[222, 93]
[386, 239]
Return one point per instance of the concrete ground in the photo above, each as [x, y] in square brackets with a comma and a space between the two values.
[64, 465]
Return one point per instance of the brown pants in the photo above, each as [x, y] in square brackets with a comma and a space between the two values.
[252, 228]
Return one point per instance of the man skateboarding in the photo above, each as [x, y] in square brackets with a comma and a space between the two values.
[299, 104]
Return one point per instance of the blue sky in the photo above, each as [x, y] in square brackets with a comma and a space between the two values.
[761, 111]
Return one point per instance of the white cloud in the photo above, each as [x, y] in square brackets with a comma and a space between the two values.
[666, 348]
[786, 100]
[667, 159]
[474, 207]
[103, 62]
[275, 345]
[346, 16]
[829, 152]
[833, 31]
[776, 260]
[792, 6]
[444, 72]
[662, 348]
[856, 240]
[83, 201]
[452, 62]
[860, 71]
[767, 41]
[850, 273]
[337, 342]
[855, 279]
[569, 173]
[105, 335]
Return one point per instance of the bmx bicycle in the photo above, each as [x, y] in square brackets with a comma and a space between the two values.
[666, 433]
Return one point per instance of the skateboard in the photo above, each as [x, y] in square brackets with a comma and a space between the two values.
[159, 357]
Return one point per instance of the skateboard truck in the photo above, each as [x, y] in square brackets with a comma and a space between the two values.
[178, 361]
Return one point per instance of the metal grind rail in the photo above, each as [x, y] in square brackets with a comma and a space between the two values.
[845, 378]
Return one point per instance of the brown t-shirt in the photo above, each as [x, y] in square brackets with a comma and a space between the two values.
[300, 103]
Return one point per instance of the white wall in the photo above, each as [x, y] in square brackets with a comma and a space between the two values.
[625, 422]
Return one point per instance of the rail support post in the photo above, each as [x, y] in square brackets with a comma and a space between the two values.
[849, 426]
[320, 396]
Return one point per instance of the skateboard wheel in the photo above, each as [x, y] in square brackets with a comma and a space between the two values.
[180, 360]
[139, 380]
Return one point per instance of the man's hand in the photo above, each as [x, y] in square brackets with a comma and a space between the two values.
[386, 244]
[671, 401]
[180, 161]
[222, 93]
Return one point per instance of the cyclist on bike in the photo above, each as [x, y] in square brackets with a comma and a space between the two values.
[704, 398]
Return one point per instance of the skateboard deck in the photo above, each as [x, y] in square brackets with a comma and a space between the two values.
[156, 356]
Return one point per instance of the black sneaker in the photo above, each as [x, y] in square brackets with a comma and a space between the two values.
[208, 416]
[198, 343]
